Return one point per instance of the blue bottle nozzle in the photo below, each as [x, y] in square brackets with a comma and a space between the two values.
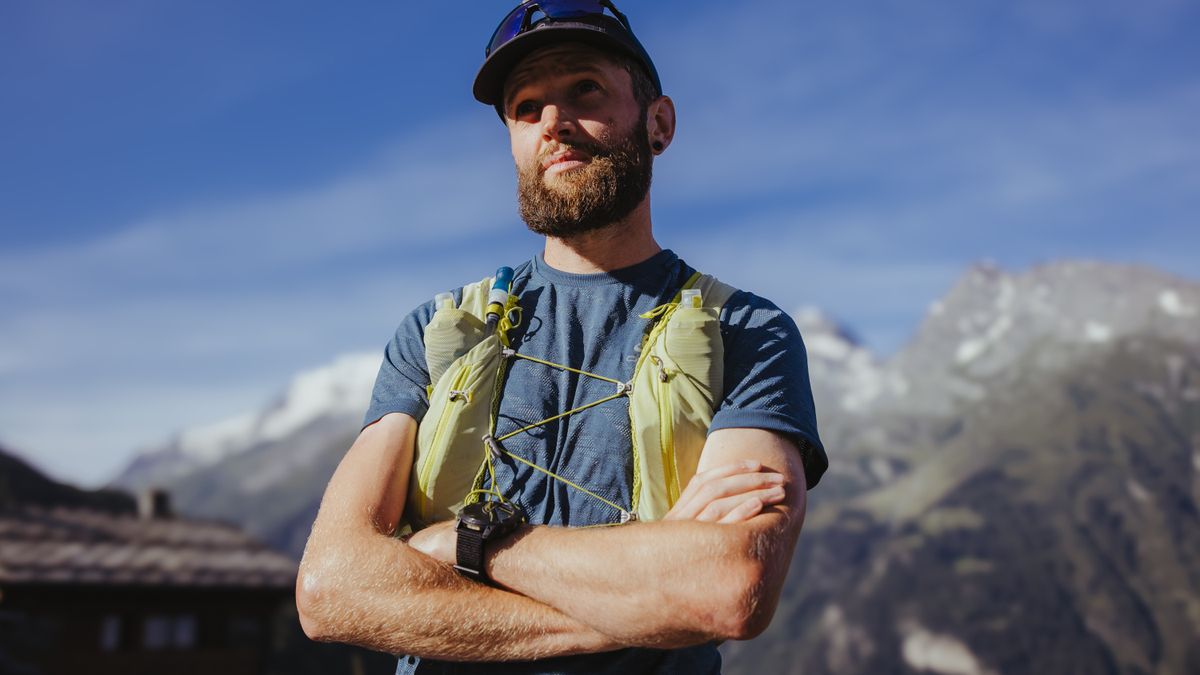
[498, 297]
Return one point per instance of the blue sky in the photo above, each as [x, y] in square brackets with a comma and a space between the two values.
[198, 200]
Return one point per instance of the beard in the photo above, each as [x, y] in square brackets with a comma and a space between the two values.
[605, 190]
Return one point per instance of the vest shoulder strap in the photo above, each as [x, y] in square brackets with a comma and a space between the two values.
[713, 292]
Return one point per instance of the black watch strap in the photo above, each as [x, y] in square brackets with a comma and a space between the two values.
[469, 555]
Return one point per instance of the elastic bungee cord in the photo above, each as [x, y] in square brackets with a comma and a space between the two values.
[492, 443]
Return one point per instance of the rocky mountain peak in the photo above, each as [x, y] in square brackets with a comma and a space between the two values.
[816, 325]
[991, 318]
[844, 373]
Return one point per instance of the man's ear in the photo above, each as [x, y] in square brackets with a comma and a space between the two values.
[660, 123]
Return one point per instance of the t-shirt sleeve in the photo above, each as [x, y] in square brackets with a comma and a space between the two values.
[403, 375]
[766, 378]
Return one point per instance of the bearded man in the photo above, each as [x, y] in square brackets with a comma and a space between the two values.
[550, 564]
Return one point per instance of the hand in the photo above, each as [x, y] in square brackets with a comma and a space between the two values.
[438, 541]
[729, 493]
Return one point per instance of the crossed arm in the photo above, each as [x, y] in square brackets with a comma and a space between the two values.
[713, 569]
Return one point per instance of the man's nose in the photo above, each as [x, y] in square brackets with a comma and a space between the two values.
[557, 122]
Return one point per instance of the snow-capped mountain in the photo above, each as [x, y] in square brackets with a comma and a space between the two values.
[971, 339]
[336, 393]
[1034, 509]
[845, 375]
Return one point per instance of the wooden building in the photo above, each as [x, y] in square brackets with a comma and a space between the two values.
[88, 591]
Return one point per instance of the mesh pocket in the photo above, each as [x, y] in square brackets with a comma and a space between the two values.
[450, 334]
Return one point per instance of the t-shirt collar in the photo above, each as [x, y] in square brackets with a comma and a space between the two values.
[655, 267]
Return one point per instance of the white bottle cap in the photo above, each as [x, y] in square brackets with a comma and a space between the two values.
[443, 301]
[691, 298]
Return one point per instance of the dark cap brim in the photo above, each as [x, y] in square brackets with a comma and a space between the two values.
[489, 82]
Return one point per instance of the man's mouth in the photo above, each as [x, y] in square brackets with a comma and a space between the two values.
[565, 161]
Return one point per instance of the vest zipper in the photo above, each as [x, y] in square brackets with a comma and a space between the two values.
[666, 434]
[456, 396]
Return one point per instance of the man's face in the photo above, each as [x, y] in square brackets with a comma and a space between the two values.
[579, 139]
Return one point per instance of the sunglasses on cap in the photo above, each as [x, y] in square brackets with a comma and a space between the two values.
[539, 23]
[532, 12]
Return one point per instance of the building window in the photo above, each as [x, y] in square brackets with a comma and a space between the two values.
[156, 633]
[110, 633]
[163, 631]
[185, 632]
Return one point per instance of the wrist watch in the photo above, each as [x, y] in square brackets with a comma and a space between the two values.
[478, 524]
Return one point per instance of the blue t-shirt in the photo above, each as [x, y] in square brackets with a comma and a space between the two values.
[591, 322]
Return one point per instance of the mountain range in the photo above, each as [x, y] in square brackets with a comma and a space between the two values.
[1017, 490]
[23, 485]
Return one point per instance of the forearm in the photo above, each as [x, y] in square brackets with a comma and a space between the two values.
[679, 581]
[385, 596]
[662, 584]
[358, 584]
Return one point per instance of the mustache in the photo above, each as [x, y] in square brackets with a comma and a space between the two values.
[593, 150]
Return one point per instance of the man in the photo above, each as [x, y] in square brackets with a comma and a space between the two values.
[585, 114]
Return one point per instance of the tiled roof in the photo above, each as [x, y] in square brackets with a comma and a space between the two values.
[79, 546]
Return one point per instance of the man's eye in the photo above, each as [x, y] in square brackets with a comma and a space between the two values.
[586, 86]
[524, 108]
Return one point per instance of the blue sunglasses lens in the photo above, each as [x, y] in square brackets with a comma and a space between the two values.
[529, 13]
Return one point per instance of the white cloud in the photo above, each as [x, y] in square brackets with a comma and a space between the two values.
[897, 108]
[428, 189]
[192, 315]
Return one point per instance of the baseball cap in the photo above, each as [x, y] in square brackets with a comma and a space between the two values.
[538, 23]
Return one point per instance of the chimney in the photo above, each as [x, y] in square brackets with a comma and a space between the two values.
[154, 504]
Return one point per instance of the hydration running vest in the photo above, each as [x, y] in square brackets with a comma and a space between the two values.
[675, 387]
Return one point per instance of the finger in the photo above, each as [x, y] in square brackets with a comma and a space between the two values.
[772, 496]
[685, 504]
[718, 509]
[715, 489]
[744, 511]
[739, 484]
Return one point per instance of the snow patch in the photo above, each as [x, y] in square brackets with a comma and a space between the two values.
[971, 349]
[864, 391]
[1137, 491]
[881, 469]
[939, 653]
[343, 387]
[847, 644]
[857, 398]
[1008, 292]
[212, 442]
[1171, 304]
[1094, 331]
[828, 347]
[868, 383]
[340, 388]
